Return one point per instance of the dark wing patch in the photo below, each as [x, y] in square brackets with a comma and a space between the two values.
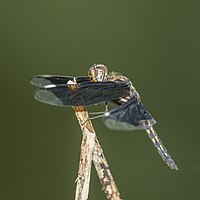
[86, 93]
[131, 115]
[43, 80]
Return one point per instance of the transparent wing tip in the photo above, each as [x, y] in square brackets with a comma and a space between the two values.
[48, 97]
[40, 80]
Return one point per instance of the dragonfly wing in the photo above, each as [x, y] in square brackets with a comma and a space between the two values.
[43, 80]
[131, 115]
[86, 93]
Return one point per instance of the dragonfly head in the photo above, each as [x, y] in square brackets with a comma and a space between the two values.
[98, 72]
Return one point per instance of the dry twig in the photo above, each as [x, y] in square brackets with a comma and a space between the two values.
[91, 149]
[87, 146]
[104, 173]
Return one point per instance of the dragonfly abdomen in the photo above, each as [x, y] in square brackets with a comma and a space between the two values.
[161, 148]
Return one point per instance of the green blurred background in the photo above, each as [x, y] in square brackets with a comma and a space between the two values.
[154, 43]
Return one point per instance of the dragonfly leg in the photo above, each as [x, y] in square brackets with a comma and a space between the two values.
[91, 118]
[100, 113]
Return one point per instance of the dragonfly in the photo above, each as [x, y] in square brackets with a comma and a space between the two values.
[98, 87]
